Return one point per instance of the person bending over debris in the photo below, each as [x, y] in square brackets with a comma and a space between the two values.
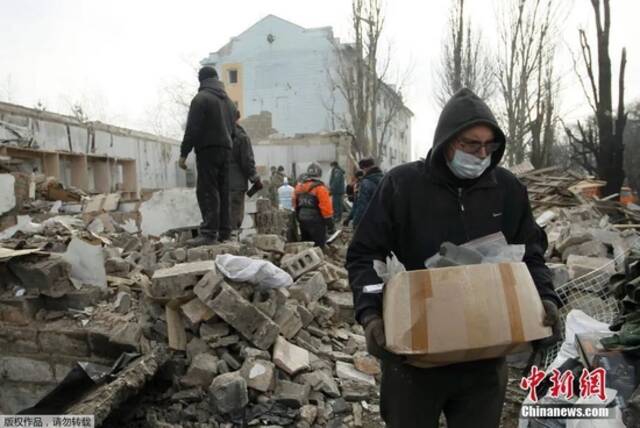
[242, 168]
[209, 131]
[457, 194]
[312, 204]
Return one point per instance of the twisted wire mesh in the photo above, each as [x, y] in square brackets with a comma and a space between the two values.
[591, 294]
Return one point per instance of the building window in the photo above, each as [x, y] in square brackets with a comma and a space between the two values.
[233, 76]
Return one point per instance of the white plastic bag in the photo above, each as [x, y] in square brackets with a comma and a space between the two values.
[258, 272]
[385, 272]
[577, 322]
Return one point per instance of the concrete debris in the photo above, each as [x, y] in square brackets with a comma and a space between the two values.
[179, 280]
[196, 311]
[229, 392]
[244, 317]
[303, 262]
[309, 287]
[259, 374]
[292, 394]
[49, 276]
[367, 364]
[270, 243]
[348, 371]
[159, 214]
[175, 329]
[342, 304]
[289, 357]
[202, 371]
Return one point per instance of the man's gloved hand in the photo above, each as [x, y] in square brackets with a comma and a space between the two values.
[182, 163]
[331, 228]
[551, 319]
[551, 314]
[374, 335]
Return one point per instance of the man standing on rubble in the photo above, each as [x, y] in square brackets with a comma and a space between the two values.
[242, 169]
[366, 188]
[457, 194]
[312, 204]
[209, 131]
[337, 188]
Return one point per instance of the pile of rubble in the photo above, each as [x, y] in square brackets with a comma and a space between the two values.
[586, 234]
[551, 188]
[262, 356]
[86, 286]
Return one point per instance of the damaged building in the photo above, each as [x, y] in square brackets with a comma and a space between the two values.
[278, 74]
[92, 156]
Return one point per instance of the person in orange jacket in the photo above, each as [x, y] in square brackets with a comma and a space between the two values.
[312, 204]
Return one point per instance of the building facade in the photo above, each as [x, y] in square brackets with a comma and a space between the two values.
[281, 70]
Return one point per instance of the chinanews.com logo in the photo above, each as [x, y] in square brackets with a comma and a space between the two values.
[592, 390]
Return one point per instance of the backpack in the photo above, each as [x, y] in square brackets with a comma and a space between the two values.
[308, 206]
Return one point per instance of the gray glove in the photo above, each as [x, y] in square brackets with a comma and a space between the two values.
[551, 319]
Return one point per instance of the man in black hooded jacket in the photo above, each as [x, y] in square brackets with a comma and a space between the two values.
[457, 194]
[209, 131]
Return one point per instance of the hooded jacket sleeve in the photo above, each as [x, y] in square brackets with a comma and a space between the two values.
[365, 194]
[194, 129]
[324, 201]
[535, 240]
[373, 240]
[247, 160]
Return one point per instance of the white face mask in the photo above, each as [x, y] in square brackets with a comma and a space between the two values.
[467, 166]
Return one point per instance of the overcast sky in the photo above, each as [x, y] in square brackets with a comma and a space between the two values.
[115, 57]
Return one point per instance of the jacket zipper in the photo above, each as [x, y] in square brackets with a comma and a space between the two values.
[461, 203]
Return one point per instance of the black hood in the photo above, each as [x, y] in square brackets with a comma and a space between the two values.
[464, 109]
[240, 132]
[214, 86]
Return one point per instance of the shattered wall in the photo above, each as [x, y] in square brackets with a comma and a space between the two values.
[156, 156]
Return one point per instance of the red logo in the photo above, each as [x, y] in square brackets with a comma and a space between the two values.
[592, 383]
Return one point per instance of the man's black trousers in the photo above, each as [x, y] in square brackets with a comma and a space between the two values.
[212, 191]
[470, 394]
[313, 230]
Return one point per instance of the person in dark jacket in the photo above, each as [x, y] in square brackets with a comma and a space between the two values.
[209, 131]
[337, 188]
[457, 194]
[242, 169]
[366, 188]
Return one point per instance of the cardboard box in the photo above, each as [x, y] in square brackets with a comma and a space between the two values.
[448, 315]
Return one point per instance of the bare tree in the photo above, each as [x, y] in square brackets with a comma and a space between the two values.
[606, 146]
[526, 81]
[582, 141]
[357, 79]
[464, 62]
